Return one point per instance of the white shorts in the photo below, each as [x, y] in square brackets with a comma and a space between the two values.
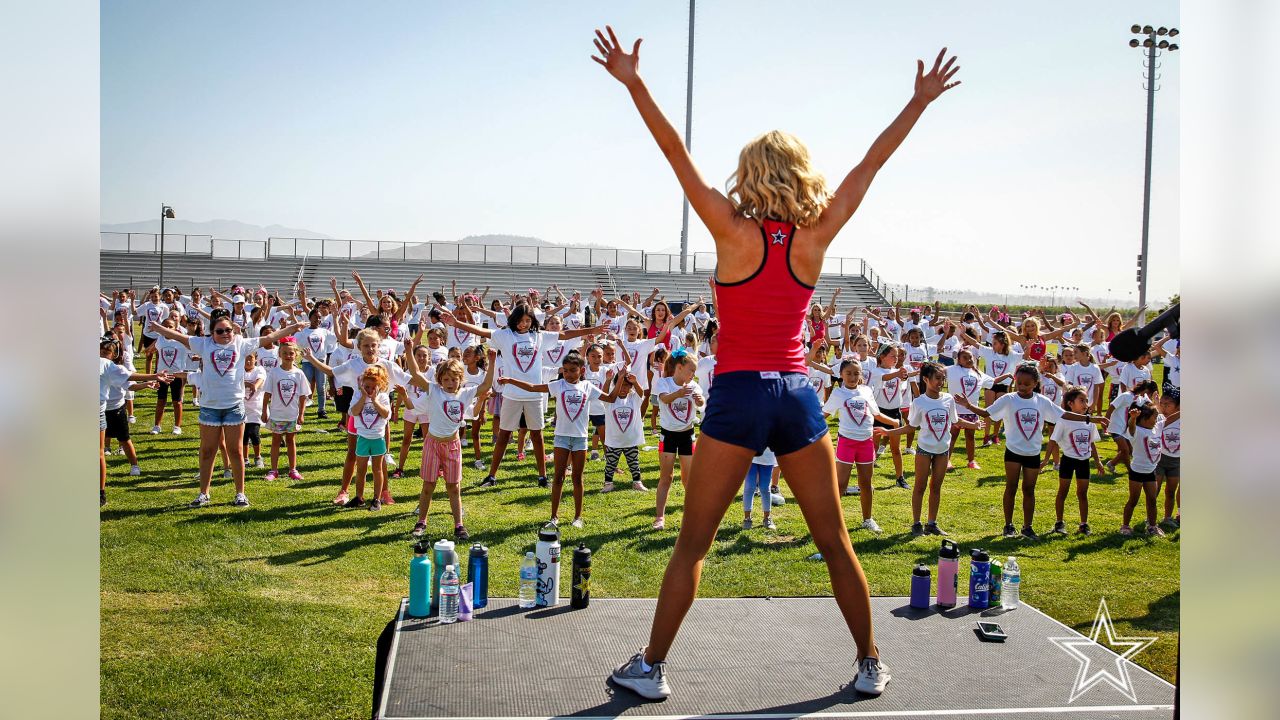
[513, 410]
[415, 417]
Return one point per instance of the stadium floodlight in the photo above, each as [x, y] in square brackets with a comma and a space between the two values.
[1136, 29]
[165, 212]
[1152, 49]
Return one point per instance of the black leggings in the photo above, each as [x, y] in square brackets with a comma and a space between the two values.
[611, 462]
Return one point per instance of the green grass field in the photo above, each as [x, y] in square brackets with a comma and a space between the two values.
[274, 611]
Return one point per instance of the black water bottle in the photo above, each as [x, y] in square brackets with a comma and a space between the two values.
[580, 596]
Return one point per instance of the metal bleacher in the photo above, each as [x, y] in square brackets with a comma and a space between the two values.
[140, 269]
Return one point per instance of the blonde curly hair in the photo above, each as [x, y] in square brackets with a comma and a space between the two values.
[776, 179]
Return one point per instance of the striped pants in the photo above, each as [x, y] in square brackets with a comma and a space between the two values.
[611, 462]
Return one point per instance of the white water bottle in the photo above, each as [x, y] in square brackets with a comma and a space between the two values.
[449, 595]
[528, 581]
[1010, 584]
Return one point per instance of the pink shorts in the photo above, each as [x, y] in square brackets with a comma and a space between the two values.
[855, 452]
[441, 458]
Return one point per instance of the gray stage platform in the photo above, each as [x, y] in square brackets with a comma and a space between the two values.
[746, 657]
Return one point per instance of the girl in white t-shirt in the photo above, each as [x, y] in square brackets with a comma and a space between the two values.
[819, 372]
[965, 379]
[447, 403]
[1142, 468]
[1088, 376]
[1026, 412]
[370, 413]
[416, 409]
[477, 366]
[999, 359]
[1169, 429]
[856, 411]
[1117, 427]
[284, 403]
[933, 414]
[171, 358]
[886, 384]
[573, 396]
[254, 380]
[1078, 442]
[1052, 386]
[598, 374]
[679, 398]
[623, 428]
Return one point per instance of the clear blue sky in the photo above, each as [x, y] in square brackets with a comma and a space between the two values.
[412, 121]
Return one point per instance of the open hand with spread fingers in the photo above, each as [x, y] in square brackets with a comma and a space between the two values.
[938, 80]
[624, 67]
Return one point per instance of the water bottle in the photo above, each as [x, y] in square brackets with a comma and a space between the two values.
[449, 595]
[547, 552]
[948, 574]
[1012, 583]
[420, 581]
[478, 575]
[528, 581]
[580, 594]
[997, 584]
[444, 555]
[464, 603]
[979, 579]
[920, 580]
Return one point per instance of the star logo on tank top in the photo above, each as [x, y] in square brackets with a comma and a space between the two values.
[622, 416]
[779, 237]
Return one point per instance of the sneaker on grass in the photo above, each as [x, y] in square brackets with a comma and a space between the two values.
[871, 524]
[932, 528]
[155, 429]
[1029, 533]
[917, 528]
[769, 524]
[134, 470]
[419, 529]
[479, 465]
[240, 500]
[201, 500]
[608, 487]
[1060, 528]
[853, 490]
[651, 684]
[1010, 531]
[375, 506]
[902, 482]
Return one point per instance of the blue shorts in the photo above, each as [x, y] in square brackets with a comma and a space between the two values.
[222, 416]
[753, 411]
[564, 442]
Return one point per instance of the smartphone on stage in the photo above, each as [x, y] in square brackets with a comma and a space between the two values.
[990, 631]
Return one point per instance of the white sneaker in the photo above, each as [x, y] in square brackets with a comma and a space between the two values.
[258, 462]
[873, 675]
[195, 402]
[871, 524]
[646, 448]
[200, 501]
[226, 474]
[135, 470]
[132, 419]
[776, 499]
[466, 441]
[595, 455]
[909, 451]
[155, 429]
[177, 429]
[577, 522]
[479, 465]
[240, 501]
[652, 685]
[390, 460]
[528, 445]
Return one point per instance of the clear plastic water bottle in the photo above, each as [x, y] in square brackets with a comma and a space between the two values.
[1011, 583]
[449, 589]
[528, 581]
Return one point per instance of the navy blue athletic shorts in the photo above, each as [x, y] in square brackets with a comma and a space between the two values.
[755, 410]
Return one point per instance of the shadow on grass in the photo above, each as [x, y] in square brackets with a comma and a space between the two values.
[1162, 614]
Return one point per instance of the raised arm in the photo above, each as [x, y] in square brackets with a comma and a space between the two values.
[708, 202]
[416, 378]
[168, 334]
[849, 195]
[594, 330]
[368, 301]
[540, 388]
[448, 318]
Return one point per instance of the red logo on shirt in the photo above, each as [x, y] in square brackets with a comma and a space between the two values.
[1028, 422]
[939, 420]
[368, 416]
[681, 409]
[223, 359]
[524, 354]
[460, 335]
[1084, 381]
[452, 410]
[286, 390]
[268, 361]
[573, 401]
[816, 382]
[622, 416]
[169, 356]
[1171, 440]
[316, 343]
[554, 354]
[1081, 441]
[890, 389]
[968, 384]
[856, 409]
[998, 366]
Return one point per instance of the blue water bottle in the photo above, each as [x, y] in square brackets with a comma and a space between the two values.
[478, 575]
[920, 581]
[979, 579]
[420, 581]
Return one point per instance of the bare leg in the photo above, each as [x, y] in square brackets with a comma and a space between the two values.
[557, 482]
[210, 444]
[233, 438]
[666, 465]
[454, 492]
[1012, 471]
[349, 466]
[917, 490]
[1029, 476]
[935, 486]
[362, 464]
[424, 499]
[577, 459]
[864, 488]
[291, 449]
[499, 447]
[1170, 494]
[275, 452]
[1135, 490]
[539, 452]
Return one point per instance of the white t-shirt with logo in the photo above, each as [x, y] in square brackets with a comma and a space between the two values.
[152, 314]
[1086, 376]
[623, 425]
[818, 380]
[597, 378]
[998, 364]
[223, 365]
[553, 354]
[1119, 420]
[639, 351]
[456, 337]
[934, 418]
[319, 341]
[573, 406]
[1131, 374]
[369, 423]
[886, 392]
[252, 397]
[268, 358]
[172, 355]
[348, 373]
[1146, 450]
[856, 410]
[287, 388]
[1051, 390]
[679, 414]
[112, 381]
[1076, 438]
[1024, 420]
[967, 382]
[522, 359]
[446, 412]
[1170, 437]
[705, 374]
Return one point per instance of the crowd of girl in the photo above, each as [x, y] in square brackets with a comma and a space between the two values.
[624, 372]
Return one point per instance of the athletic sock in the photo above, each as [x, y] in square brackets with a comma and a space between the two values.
[646, 667]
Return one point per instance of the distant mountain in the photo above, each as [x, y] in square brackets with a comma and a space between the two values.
[229, 229]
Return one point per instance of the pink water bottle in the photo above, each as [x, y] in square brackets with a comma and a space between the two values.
[948, 578]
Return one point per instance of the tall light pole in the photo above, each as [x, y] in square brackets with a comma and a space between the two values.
[688, 144]
[1153, 40]
[165, 212]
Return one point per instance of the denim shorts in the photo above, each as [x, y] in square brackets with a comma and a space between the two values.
[564, 442]
[222, 416]
[756, 410]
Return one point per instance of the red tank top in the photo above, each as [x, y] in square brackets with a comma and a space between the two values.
[761, 317]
